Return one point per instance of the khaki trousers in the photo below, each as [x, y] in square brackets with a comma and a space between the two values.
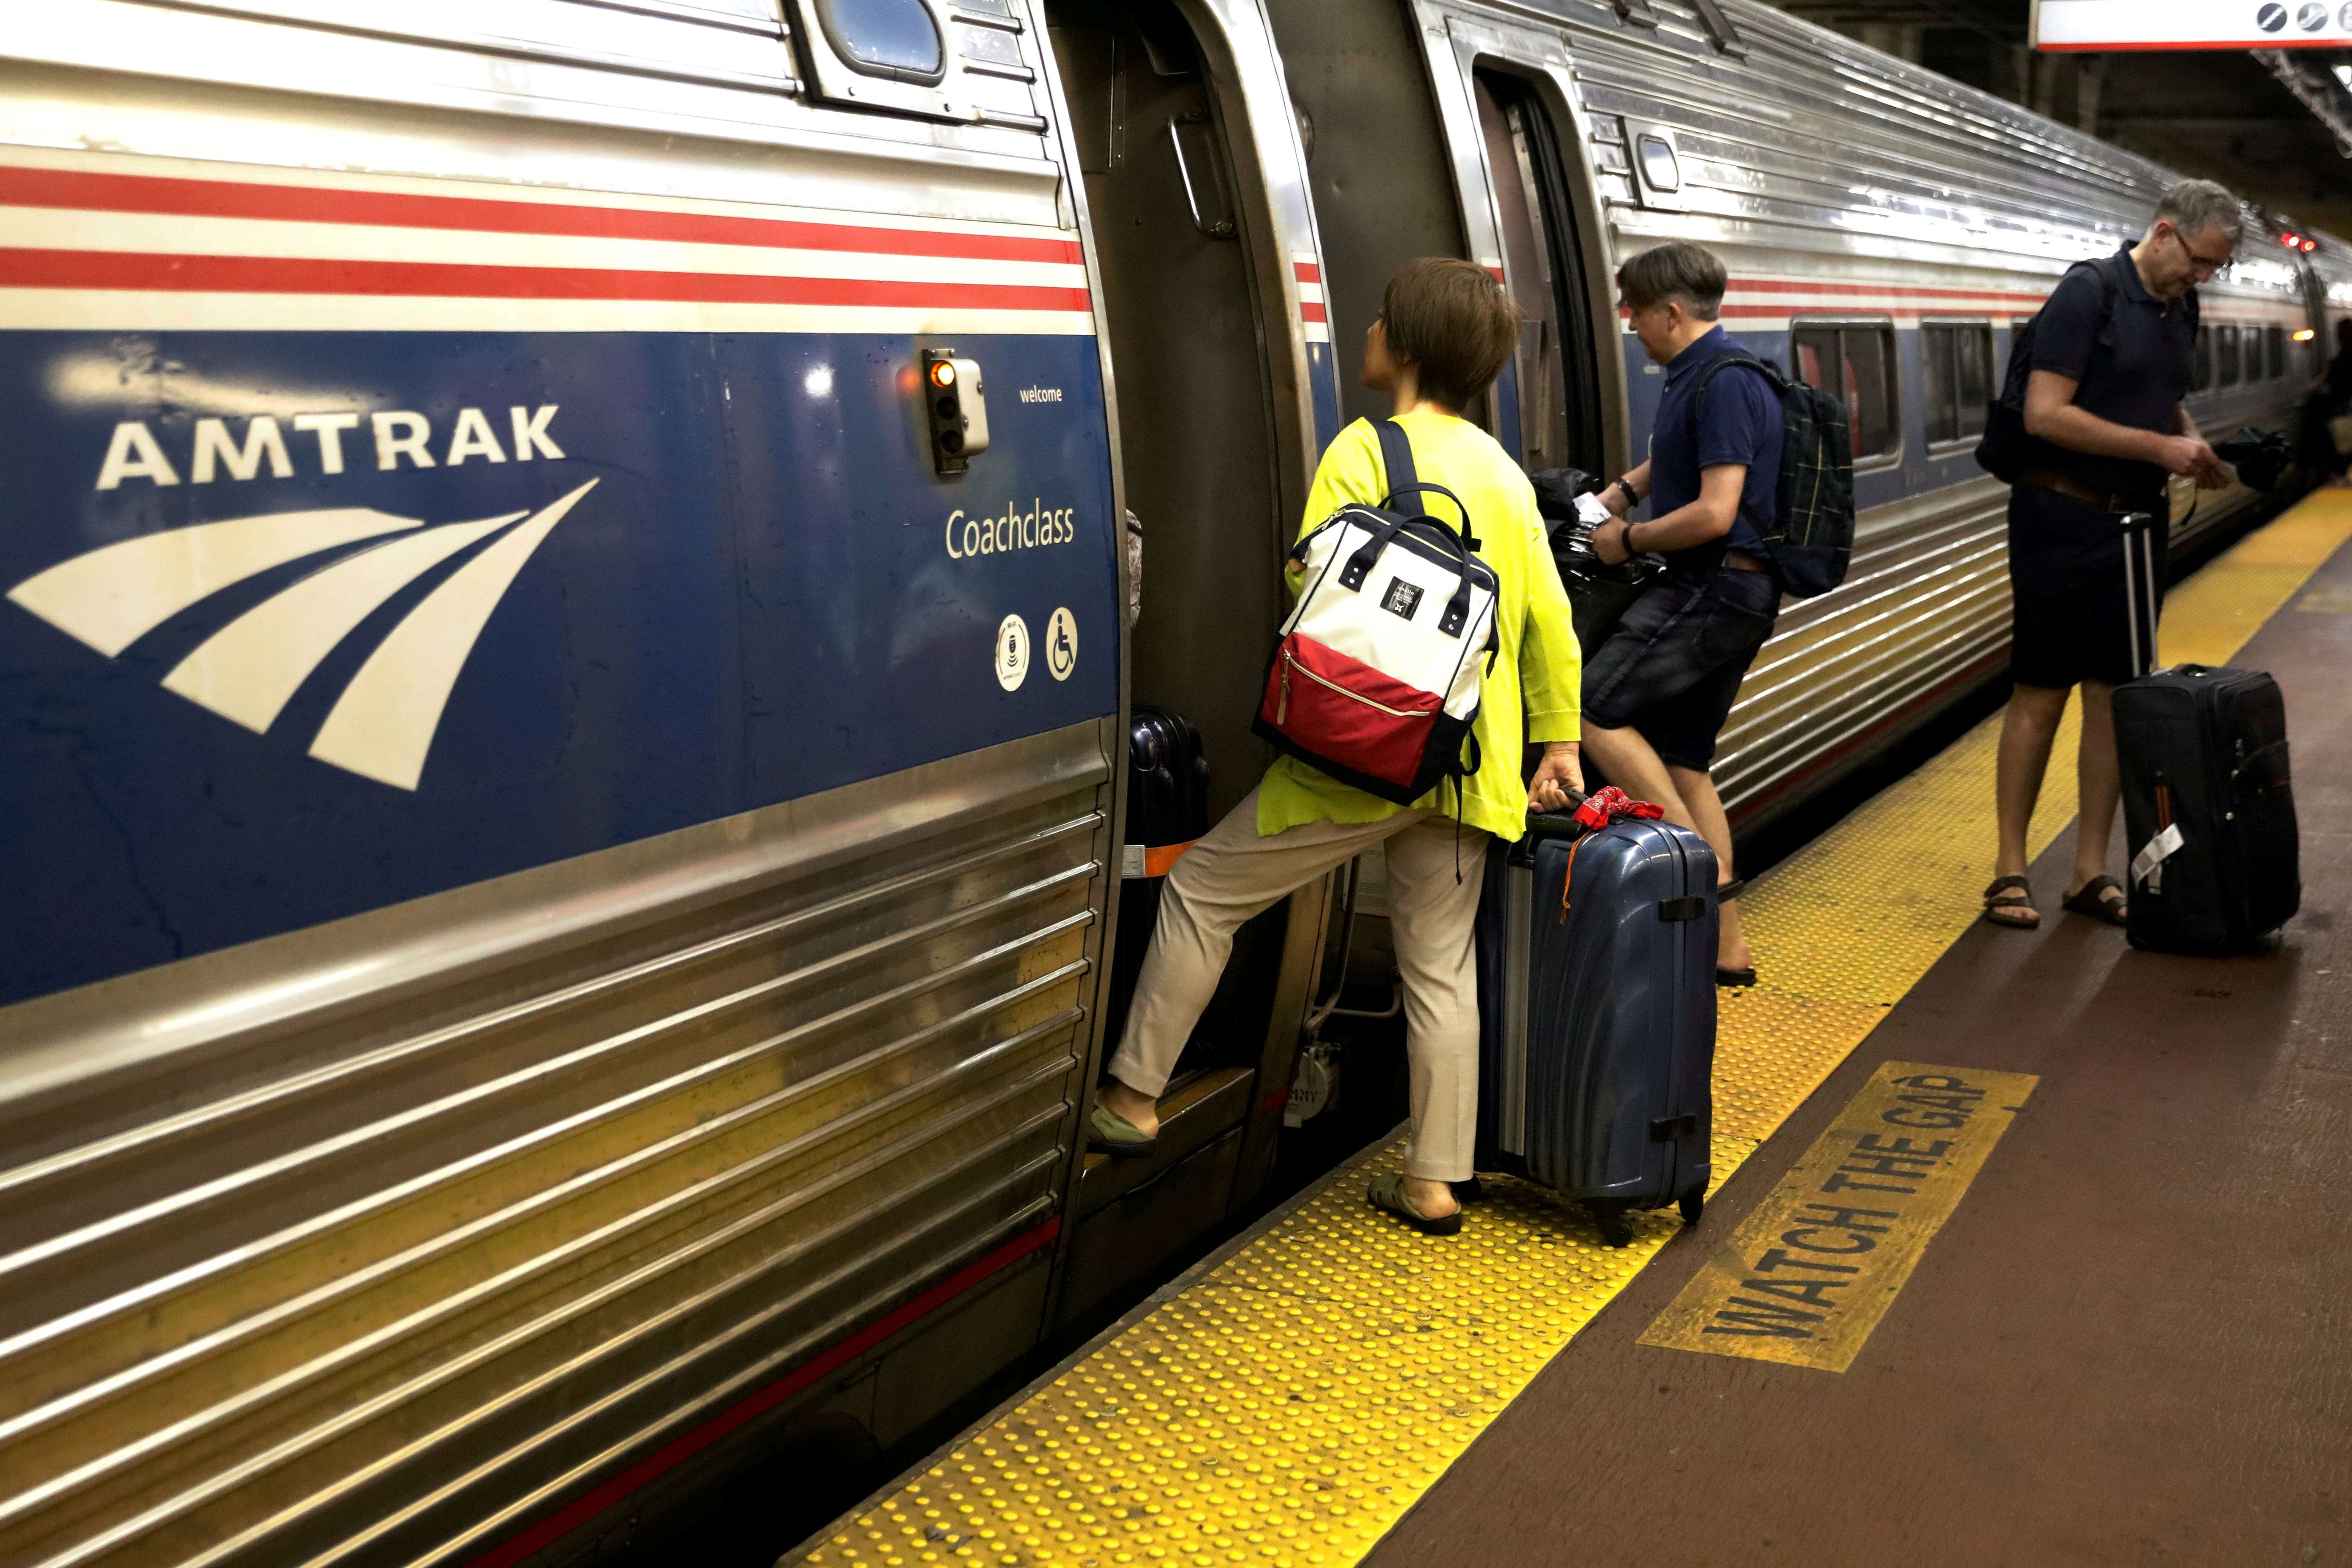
[1233, 873]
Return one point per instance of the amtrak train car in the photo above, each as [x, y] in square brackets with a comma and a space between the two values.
[1886, 230]
[564, 676]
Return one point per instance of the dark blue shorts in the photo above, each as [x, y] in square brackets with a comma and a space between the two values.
[1672, 668]
[2071, 614]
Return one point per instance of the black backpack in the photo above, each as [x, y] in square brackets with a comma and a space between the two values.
[2001, 451]
[1811, 536]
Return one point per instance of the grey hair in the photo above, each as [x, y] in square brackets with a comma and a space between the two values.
[2197, 206]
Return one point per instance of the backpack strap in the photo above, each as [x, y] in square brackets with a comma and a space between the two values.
[1403, 479]
[1770, 373]
[1396, 458]
[1720, 545]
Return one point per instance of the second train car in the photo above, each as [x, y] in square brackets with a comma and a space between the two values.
[560, 819]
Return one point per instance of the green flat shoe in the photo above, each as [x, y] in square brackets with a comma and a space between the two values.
[1117, 1136]
[1388, 1193]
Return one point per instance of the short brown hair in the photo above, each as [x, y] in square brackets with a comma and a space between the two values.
[1675, 270]
[1453, 323]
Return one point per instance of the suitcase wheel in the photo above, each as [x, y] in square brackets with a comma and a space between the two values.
[1693, 1205]
[1610, 1215]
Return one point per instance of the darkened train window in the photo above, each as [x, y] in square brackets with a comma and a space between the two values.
[2200, 377]
[2231, 368]
[2273, 351]
[896, 38]
[1855, 361]
[1955, 363]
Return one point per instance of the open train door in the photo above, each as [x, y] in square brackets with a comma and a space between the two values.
[1515, 136]
[1190, 172]
[1440, 129]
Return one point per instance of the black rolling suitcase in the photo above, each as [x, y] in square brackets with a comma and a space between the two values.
[2209, 806]
[1596, 1008]
[1167, 809]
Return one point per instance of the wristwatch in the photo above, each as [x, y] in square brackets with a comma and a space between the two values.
[1632, 500]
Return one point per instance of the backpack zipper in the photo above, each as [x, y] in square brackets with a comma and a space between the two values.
[1289, 663]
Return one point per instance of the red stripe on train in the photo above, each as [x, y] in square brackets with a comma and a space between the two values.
[1876, 290]
[1307, 271]
[581, 1510]
[1313, 311]
[109, 269]
[165, 196]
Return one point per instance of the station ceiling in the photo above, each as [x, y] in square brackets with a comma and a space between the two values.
[2275, 126]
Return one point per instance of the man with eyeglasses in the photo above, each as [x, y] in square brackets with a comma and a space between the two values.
[2114, 353]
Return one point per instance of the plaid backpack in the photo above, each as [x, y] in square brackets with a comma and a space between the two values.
[1811, 536]
[1376, 680]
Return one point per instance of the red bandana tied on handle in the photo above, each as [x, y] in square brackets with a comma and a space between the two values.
[1607, 804]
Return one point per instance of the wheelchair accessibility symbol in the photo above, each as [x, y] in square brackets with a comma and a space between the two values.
[1062, 645]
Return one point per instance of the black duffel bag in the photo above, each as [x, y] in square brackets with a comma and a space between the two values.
[1598, 595]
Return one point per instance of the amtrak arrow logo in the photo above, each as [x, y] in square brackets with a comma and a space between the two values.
[382, 726]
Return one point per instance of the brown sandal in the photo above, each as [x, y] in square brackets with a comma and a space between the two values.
[2090, 898]
[2009, 903]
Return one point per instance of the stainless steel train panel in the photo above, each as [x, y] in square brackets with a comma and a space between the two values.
[540, 1172]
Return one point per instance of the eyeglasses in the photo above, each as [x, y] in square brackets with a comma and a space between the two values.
[2206, 266]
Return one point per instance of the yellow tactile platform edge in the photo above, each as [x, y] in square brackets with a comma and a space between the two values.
[1292, 1405]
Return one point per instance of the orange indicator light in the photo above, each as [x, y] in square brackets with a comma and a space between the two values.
[2305, 335]
[944, 373]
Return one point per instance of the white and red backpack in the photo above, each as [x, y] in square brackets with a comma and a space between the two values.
[1376, 680]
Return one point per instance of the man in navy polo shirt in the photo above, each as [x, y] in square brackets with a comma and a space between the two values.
[1658, 690]
[2113, 356]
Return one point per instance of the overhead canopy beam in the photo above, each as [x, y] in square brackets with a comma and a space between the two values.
[2319, 91]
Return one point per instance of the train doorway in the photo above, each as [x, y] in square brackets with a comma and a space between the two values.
[1214, 461]
[1197, 432]
[1551, 402]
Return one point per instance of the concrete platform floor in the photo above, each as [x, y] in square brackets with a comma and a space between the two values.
[2132, 1344]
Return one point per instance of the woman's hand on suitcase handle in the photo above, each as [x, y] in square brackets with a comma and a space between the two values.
[1560, 778]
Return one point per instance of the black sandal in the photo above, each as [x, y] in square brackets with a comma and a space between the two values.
[2007, 896]
[2091, 900]
[1729, 892]
[1387, 1194]
[1735, 978]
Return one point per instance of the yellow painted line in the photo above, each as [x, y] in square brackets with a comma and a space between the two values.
[1288, 1408]
[1810, 1273]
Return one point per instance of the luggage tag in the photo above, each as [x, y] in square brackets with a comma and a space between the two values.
[2147, 866]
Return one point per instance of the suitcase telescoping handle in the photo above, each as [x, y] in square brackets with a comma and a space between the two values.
[2141, 590]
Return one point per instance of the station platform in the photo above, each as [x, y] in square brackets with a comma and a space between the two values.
[2101, 1318]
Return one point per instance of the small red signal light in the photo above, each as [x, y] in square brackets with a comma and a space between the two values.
[2309, 245]
[2291, 241]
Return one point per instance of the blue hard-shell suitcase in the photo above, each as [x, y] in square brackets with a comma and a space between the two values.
[1597, 1016]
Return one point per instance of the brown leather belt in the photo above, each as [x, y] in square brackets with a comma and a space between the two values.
[1740, 561]
[2058, 484]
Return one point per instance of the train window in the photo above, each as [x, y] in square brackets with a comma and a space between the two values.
[1543, 266]
[1659, 165]
[1955, 363]
[2273, 351]
[2229, 365]
[898, 54]
[895, 38]
[1855, 361]
[2200, 378]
